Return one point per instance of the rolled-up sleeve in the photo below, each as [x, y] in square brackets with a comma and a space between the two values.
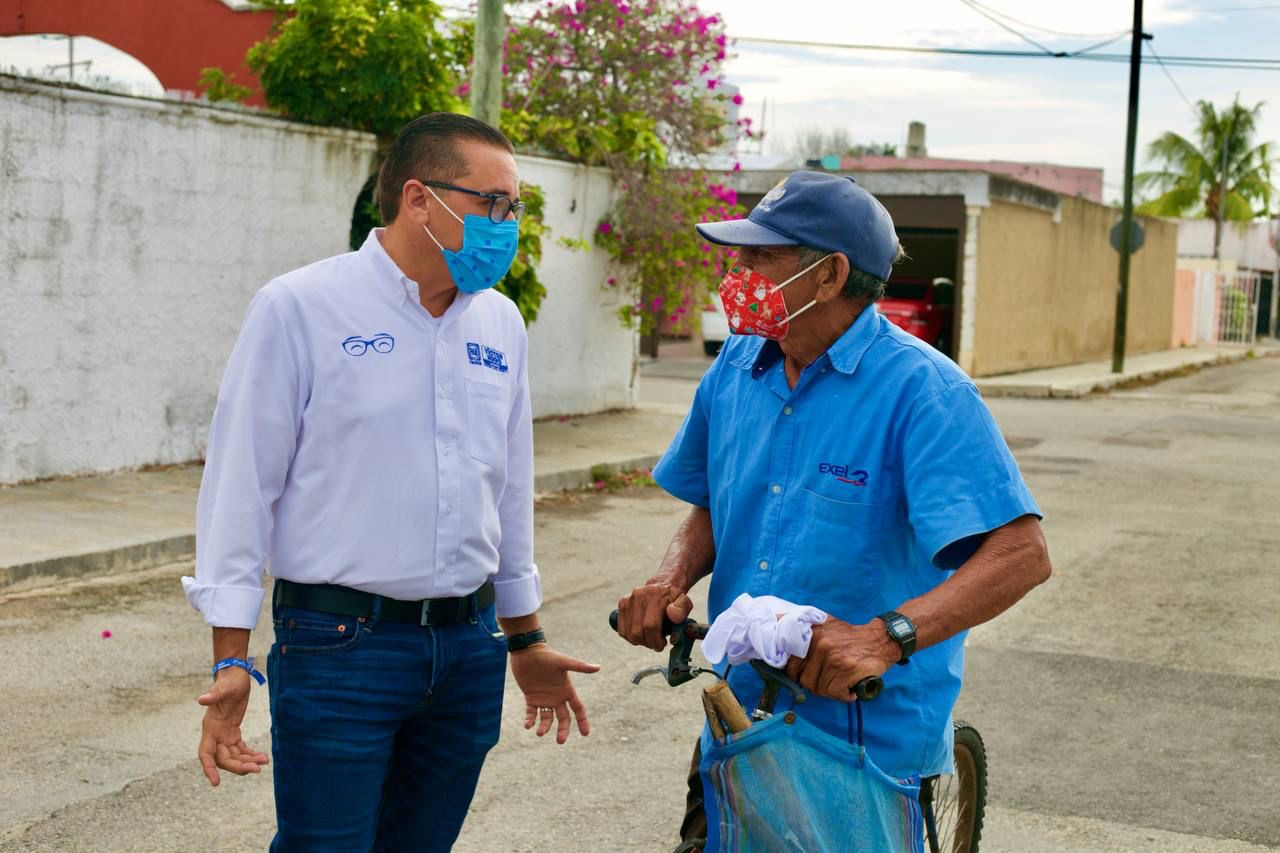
[251, 445]
[961, 480]
[518, 586]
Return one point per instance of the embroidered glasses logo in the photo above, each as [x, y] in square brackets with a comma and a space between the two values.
[843, 474]
[381, 342]
[486, 357]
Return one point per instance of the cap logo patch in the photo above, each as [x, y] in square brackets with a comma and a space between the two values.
[773, 196]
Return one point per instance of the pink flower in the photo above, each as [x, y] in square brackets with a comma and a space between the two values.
[679, 263]
[656, 305]
[737, 99]
[711, 84]
[106, 635]
[598, 485]
[705, 68]
[604, 228]
[611, 282]
[737, 167]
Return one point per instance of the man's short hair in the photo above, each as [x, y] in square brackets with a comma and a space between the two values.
[426, 149]
[859, 284]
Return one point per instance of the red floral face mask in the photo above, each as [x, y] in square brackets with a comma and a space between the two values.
[754, 305]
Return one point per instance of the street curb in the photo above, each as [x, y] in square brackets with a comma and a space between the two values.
[126, 558]
[172, 549]
[577, 478]
[992, 387]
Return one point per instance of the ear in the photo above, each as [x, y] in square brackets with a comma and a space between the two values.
[831, 275]
[415, 203]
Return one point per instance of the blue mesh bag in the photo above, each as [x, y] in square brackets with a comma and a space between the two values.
[785, 785]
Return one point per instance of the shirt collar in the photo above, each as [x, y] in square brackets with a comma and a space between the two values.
[759, 354]
[849, 348]
[389, 277]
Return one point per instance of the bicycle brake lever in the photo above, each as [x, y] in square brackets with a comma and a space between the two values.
[648, 671]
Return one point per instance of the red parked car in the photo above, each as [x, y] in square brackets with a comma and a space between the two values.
[923, 308]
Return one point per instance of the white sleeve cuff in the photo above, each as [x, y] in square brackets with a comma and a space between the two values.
[225, 606]
[519, 596]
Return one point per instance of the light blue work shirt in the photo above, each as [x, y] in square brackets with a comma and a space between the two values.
[863, 487]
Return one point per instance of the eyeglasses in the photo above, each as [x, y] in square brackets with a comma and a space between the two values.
[500, 206]
[356, 345]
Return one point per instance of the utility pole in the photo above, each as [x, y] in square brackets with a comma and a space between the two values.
[486, 72]
[1222, 183]
[1126, 222]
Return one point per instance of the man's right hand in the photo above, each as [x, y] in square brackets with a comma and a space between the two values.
[640, 613]
[220, 742]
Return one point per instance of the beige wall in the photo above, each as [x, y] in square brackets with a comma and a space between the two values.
[1045, 293]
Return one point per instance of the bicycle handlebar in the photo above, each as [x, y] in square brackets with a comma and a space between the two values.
[865, 690]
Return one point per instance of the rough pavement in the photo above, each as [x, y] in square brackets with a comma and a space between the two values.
[1128, 705]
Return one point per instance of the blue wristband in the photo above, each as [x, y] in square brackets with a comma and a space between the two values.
[246, 665]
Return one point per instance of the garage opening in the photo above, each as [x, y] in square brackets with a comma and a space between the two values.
[921, 297]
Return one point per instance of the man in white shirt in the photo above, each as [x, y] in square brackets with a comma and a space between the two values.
[373, 442]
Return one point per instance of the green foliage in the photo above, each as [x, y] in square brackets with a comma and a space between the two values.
[573, 244]
[366, 64]
[605, 478]
[217, 86]
[521, 282]
[634, 87]
[1190, 179]
[1235, 314]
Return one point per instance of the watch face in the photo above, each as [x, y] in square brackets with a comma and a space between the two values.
[900, 629]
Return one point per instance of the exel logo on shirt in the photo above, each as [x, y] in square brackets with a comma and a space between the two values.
[843, 474]
[486, 357]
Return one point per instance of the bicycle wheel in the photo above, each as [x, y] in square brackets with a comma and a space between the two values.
[954, 803]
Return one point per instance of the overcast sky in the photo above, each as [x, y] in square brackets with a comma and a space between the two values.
[1056, 110]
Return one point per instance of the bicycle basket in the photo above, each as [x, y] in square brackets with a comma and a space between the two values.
[785, 785]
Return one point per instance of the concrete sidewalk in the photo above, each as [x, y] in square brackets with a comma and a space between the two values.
[1079, 380]
[76, 528]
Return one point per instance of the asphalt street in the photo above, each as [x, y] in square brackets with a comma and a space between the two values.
[1130, 704]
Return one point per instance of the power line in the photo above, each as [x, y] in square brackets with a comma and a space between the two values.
[1190, 105]
[1117, 33]
[990, 17]
[1231, 62]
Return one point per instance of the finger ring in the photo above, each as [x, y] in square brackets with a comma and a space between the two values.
[548, 710]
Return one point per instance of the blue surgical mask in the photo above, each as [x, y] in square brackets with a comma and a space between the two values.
[488, 248]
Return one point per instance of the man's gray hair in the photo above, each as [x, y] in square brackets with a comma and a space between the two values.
[860, 284]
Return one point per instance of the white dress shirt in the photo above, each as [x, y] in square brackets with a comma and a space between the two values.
[360, 441]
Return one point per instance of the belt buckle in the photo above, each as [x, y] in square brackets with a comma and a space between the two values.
[461, 614]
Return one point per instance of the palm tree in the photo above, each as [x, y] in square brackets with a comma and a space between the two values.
[1192, 178]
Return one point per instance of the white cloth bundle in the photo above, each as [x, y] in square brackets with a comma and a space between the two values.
[764, 628]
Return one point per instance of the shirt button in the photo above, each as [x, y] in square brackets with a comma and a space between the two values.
[776, 490]
[764, 564]
[787, 410]
[446, 450]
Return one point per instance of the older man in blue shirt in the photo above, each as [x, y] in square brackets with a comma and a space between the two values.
[833, 460]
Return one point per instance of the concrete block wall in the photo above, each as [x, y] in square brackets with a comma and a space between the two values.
[133, 233]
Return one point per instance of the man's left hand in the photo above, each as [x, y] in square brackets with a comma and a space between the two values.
[841, 655]
[543, 676]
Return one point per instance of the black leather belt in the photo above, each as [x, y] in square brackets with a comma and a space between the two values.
[329, 598]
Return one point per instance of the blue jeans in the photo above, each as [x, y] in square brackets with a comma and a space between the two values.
[379, 729]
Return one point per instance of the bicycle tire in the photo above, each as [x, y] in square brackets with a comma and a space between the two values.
[958, 800]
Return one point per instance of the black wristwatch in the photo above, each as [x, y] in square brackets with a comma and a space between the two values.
[902, 631]
[520, 642]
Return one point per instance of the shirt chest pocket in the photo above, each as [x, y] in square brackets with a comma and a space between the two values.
[488, 409]
[835, 558]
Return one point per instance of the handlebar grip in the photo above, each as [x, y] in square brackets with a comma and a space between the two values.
[668, 627]
[868, 688]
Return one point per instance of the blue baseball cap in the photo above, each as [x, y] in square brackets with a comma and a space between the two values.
[821, 211]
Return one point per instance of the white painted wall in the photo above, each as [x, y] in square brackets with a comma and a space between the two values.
[133, 233]
[1251, 247]
[581, 358]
